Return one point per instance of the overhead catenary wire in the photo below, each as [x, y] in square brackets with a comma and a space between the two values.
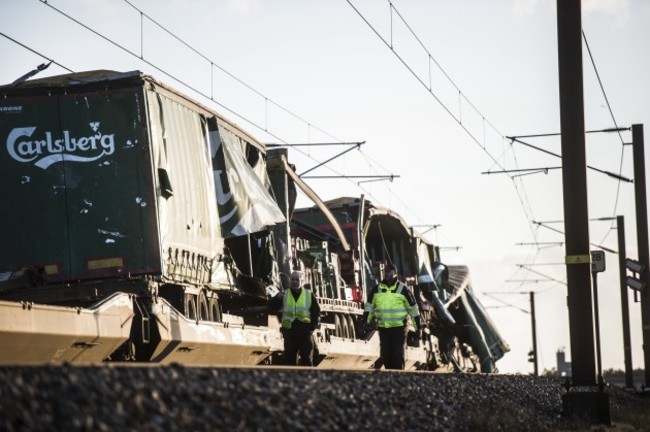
[611, 113]
[602, 87]
[141, 57]
[549, 278]
[562, 232]
[505, 303]
[36, 52]
[228, 73]
[608, 173]
[418, 78]
[616, 129]
[521, 193]
[520, 190]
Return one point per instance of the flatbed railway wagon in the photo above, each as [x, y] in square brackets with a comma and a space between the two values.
[110, 185]
[140, 225]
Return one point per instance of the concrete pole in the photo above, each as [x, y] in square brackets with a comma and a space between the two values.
[534, 326]
[642, 240]
[574, 187]
[627, 344]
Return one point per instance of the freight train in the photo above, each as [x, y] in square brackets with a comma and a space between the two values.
[140, 225]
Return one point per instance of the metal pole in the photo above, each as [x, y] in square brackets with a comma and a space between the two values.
[599, 361]
[642, 239]
[361, 240]
[534, 326]
[250, 255]
[627, 345]
[574, 188]
[281, 190]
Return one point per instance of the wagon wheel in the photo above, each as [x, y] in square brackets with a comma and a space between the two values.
[215, 310]
[190, 306]
[203, 310]
[351, 330]
[345, 328]
[337, 325]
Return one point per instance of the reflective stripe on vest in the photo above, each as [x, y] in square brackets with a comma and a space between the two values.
[390, 306]
[413, 311]
[296, 309]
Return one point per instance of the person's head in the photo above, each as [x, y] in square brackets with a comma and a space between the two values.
[296, 280]
[390, 272]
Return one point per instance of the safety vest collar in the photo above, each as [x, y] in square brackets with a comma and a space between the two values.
[396, 288]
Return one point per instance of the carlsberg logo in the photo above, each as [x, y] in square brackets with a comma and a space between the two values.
[46, 149]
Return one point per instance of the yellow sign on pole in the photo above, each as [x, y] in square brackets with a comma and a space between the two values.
[577, 259]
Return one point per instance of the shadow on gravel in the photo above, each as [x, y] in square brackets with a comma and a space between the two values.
[630, 411]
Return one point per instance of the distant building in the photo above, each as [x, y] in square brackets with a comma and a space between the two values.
[563, 367]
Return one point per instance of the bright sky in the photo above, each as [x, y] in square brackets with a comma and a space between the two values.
[315, 71]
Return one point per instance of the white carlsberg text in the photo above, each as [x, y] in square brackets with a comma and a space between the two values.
[46, 149]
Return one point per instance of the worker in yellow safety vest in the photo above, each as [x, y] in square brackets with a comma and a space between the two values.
[392, 304]
[300, 317]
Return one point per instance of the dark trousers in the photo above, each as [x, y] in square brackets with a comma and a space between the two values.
[392, 341]
[298, 340]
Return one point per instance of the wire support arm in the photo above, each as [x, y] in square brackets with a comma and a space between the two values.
[356, 146]
[545, 170]
[608, 173]
[606, 130]
[274, 145]
[378, 177]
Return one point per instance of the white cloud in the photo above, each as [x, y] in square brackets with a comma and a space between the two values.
[524, 8]
[619, 9]
[242, 6]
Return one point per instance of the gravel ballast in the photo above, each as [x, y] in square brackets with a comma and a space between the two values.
[111, 398]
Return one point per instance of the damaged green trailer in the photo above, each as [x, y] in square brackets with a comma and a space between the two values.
[115, 183]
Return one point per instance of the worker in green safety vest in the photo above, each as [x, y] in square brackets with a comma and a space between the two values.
[300, 318]
[392, 304]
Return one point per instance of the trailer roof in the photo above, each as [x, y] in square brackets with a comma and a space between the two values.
[105, 78]
[74, 79]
